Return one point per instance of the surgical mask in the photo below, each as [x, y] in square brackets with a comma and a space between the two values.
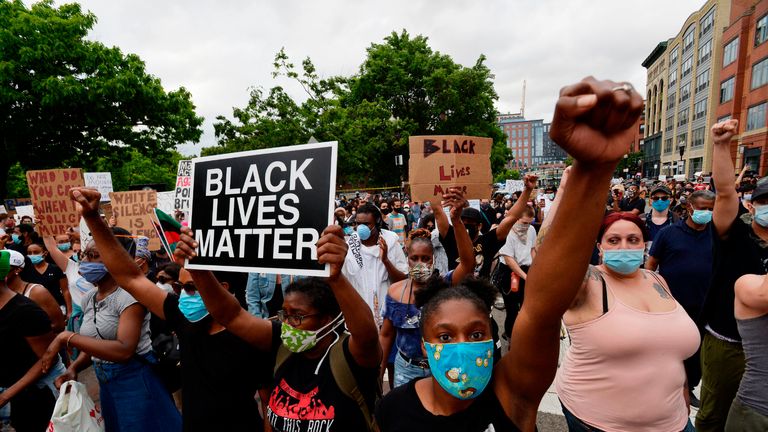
[747, 197]
[761, 215]
[660, 205]
[521, 228]
[93, 272]
[16, 238]
[64, 246]
[363, 232]
[35, 259]
[701, 217]
[624, 261]
[550, 196]
[348, 230]
[462, 369]
[420, 272]
[192, 306]
[76, 258]
[298, 340]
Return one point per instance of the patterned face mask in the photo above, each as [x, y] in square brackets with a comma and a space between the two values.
[462, 369]
[420, 272]
[298, 340]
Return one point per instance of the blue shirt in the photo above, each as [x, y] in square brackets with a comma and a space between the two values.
[685, 260]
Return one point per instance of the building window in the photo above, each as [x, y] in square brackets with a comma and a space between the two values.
[673, 57]
[760, 73]
[761, 30]
[525, 132]
[697, 137]
[685, 92]
[670, 123]
[668, 145]
[687, 67]
[702, 81]
[756, 116]
[514, 133]
[682, 117]
[688, 38]
[697, 164]
[671, 101]
[730, 52]
[700, 109]
[705, 51]
[681, 140]
[707, 22]
[723, 118]
[726, 90]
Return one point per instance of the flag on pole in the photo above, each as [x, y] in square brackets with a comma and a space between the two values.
[168, 229]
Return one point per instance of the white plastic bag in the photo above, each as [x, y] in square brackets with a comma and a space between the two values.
[75, 411]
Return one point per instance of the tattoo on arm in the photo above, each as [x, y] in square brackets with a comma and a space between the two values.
[542, 234]
[592, 273]
[660, 289]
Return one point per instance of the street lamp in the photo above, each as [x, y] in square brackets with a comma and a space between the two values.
[681, 149]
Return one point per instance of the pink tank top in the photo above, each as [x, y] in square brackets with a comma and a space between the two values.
[624, 369]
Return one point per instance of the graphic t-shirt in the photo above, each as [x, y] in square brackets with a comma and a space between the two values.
[396, 223]
[301, 401]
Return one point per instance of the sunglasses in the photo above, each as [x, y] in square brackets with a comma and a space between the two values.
[663, 198]
[188, 287]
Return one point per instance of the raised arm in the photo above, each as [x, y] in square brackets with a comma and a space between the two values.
[553, 210]
[364, 335]
[514, 214]
[726, 201]
[593, 122]
[455, 199]
[441, 220]
[120, 265]
[56, 255]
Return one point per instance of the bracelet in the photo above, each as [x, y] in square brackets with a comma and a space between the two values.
[69, 339]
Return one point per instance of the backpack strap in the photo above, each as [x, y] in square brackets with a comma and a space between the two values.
[345, 380]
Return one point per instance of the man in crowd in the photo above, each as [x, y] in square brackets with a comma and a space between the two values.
[660, 216]
[396, 221]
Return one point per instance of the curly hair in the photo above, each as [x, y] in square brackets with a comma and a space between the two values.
[437, 291]
[420, 235]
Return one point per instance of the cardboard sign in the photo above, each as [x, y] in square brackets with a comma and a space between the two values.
[264, 210]
[165, 201]
[441, 161]
[101, 181]
[183, 196]
[132, 211]
[55, 212]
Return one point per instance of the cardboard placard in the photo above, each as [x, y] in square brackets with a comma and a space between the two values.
[441, 161]
[264, 210]
[132, 211]
[101, 181]
[183, 195]
[55, 212]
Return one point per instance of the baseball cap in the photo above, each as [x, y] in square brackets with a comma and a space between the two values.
[16, 259]
[661, 188]
[761, 190]
[472, 214]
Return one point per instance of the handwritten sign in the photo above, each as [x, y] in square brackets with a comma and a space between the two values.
[132, 211]
[512, 186]
[165, 201]
[183, 200]
[101, 181]
[441, 161]
[49, 189]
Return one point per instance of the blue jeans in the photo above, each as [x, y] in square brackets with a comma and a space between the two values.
[576, 425]
[405, 373]
[134, 399]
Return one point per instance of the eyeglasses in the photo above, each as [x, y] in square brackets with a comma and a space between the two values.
[90, 254]
[189, 287]
[292, 320]
[663, 198]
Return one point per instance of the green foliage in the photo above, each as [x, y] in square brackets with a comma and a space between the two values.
[140, 169]
[68, 101]
[632, 161]
[17, 182]
[507, 174]
[403, 88]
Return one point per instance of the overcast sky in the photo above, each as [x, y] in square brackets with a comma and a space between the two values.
[218, 50]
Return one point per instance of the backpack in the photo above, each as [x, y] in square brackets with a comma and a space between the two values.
[343, 376]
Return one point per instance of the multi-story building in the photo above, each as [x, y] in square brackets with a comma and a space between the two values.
[680, 107]
[552, 152]
[742, 90]
[525, 138]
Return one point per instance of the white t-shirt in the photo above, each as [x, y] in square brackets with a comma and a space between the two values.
[372, 280]
[78, 286]
[517, 250]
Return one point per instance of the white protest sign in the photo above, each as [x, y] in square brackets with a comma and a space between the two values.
[165, 201]
[101, 181]
[514, 186]
[3, 210]
[26, 210]
[183, 194]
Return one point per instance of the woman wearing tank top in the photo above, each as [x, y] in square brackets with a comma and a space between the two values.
[624, 370]
[749, 410]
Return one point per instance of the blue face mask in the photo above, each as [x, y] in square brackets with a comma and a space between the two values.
[16, 238]
[192, 306]
[462, 369]
[93, 272]
[660, 205]
[76, 258]
[35, 259]
[64, 246]
[348, 230]
[701, 217]
[761, 215]
[363, 232]
[624, 261]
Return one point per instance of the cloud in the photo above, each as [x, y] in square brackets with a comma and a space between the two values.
[218, 50]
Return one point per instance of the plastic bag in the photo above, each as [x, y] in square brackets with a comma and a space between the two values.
[75, 411]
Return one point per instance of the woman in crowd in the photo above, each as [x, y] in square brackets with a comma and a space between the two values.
[593, 122]
[48, 275]
[115, 337]
[25, 332]
[35, 292]
[220, 372]
[315, 360]
[625, 319]
[401, 316]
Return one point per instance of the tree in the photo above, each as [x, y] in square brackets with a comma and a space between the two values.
[68, 101]
[507, 174]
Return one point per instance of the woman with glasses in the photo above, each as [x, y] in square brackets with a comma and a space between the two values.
[220, 373]
[114, 337]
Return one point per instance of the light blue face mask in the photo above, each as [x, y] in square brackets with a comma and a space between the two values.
[16, 238]
[660, 205]
[363, 232]
[192, 306]
[761, 215]
[462, 369]
[701, 217]
[64, 246]
[624, 261]
[93, 272]
[35, 259]
[348, 230]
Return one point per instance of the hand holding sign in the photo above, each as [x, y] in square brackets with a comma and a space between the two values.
[332, 250]
[185, 248]
[454, 198]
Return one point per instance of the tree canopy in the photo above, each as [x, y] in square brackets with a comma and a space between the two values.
[68, 101]
[402, 88]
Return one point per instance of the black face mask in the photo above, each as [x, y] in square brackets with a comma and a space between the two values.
[485, 206]
[386, 211]
[472, 230]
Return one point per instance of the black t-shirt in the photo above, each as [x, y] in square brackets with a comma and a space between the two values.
[49, 279]
[220, 375]
[486, 245]
[635, 203]
[301, 401]
[20, 318]
[401, 410]
[742, 252]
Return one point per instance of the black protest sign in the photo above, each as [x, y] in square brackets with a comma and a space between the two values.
[263, 210]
